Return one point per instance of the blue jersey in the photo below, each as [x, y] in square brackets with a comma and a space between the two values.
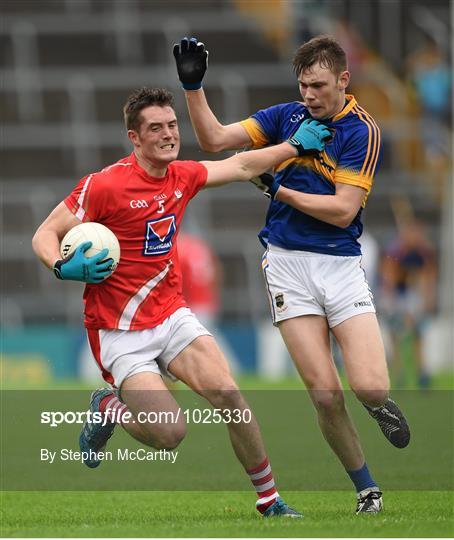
[352, 157]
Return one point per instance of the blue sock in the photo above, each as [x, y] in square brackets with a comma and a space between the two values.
[362, 478]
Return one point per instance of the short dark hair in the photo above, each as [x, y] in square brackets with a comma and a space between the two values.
[323, 50]
[142, 98]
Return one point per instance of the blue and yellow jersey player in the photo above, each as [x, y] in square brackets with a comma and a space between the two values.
[351, 157]
[312, 269]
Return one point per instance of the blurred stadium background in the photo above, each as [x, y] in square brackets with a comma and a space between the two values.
[67, 68]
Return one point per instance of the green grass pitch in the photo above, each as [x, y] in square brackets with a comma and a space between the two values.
[411, 514]
[219, 514]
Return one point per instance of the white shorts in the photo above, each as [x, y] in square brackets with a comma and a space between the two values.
[122, 353]
[307, 283]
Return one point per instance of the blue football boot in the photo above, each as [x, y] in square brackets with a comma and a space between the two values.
[281, 509]
[94, 435]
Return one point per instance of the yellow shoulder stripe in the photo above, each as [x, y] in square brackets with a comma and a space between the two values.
[254, 130]
[346, 176]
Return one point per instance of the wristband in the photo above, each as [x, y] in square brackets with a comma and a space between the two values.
[192, 86]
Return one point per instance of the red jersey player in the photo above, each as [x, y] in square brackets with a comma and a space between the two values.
[202, 276]
[137, 321]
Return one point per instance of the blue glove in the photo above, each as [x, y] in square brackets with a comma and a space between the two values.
[192, 62]
[77, 267]
[266, 183]
[310, 137]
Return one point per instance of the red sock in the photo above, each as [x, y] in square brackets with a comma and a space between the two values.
[263, 482]
[113, 408]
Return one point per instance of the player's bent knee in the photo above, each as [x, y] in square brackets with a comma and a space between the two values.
[226, 397]
[221, 386]
[328, 401]
[166, 439]
[373, 398]
[169, 442]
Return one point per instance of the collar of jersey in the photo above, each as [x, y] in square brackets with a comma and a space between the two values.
[144, 173]
[351, 103]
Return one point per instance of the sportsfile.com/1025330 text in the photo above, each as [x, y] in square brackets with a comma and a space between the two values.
[191, 416]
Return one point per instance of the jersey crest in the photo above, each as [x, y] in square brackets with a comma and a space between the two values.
[159, 235]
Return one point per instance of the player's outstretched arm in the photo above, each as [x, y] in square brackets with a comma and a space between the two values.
[247, 165]
[309, 137]
[191, 59]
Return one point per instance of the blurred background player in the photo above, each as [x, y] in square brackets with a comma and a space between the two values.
[138, 323]
[430, 77]
[312, 261]
[202, 277]
[407, 296]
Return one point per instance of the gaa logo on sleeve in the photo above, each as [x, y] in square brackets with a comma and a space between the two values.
[159, 235]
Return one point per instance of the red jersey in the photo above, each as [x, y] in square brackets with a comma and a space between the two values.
[144, 212]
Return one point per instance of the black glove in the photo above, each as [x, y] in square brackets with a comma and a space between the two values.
[191, 58]
[266, 183]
